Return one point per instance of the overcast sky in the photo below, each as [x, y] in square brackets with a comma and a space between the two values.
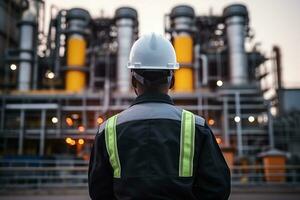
[273, 21]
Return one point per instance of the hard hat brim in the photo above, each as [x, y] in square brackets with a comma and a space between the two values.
[168, 67]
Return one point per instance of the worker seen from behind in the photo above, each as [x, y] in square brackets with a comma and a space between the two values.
[153, 149]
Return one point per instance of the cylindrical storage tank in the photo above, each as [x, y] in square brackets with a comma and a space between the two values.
[182, 18]
[236, 18]
[77, 21]
[126, 19]
[27, 31]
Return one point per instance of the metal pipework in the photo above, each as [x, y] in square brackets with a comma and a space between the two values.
[205, 75]
[182, 20]
[27, 31]
[77, 21]
[277, 59]
[126, 20]
[197, 64]
[236, 18]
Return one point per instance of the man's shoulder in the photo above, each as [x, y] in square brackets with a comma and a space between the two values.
[152, 111]
[198, 119]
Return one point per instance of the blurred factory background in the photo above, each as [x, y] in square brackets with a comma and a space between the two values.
[60, 80]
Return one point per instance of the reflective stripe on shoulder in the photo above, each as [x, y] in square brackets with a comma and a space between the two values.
[112, 146]
[187, 144]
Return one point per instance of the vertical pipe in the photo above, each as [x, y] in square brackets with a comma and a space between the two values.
[96, 115]
[225, 122]
[77, 20]
[182, 18]
[236, 18]
[84, 111]
[35, 47]
[42, 130]
[106, 84]
[277, 53]
[219, 64]
[199, 103]
[57, 41]
[197, 64]
[270, 127]
[239, 124]
[126, 19]
[60, 119]
[92, 69]
[204, 69]
[27, 31]
[2, 113]
[21, 132]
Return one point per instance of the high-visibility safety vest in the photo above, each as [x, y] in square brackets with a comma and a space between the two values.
[187, 145]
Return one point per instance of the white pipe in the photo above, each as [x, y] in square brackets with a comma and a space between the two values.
[125, 40]
[237, 56]
[26, 45]
[204, 69]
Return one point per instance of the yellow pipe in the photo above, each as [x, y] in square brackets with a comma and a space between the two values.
[184, 78]
[76, 47]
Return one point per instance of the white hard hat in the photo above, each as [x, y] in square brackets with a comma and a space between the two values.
[152, 51]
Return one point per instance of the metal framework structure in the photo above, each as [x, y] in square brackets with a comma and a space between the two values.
[44, 117]
[28, 116]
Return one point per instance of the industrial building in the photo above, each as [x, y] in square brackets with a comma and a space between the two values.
[60, 81]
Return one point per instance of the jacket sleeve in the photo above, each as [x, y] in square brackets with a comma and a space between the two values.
[212, 181]
[100, 177]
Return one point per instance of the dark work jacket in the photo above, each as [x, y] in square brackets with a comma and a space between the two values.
[148, 137]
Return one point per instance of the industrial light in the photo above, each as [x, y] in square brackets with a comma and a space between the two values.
[218, 32]
[81, 141]
[221, 26]
[219, 83]
[100, 120]
[75, 116]
[73, 142]
[265, 118]
[50, 75]
[273, 111]
[13, 67]
[68, 140]
[219, 140]
[81, 128]
[260, 119]
[211, 122]
[69, 121]
[54, 120]
[251, 119]
[237, 119]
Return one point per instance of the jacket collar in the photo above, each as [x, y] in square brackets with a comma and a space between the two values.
[153, 97]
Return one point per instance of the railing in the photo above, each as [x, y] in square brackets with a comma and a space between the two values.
[73, 173]
[256, 174]
[43, 173]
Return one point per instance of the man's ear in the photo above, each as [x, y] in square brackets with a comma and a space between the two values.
[172, 82]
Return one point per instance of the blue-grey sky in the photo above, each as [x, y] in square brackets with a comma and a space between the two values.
[273, 21]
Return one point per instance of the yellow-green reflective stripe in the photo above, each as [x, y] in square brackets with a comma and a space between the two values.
[187, 142]
[111, 145]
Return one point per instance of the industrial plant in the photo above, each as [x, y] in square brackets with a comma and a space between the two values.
[61, 80]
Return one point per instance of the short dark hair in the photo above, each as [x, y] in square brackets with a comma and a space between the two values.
[158, 79]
